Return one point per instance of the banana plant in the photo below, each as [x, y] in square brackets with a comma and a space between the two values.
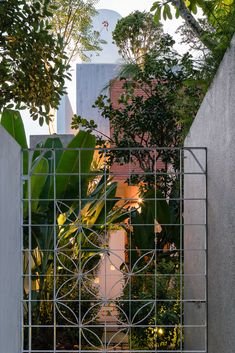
[70, 205]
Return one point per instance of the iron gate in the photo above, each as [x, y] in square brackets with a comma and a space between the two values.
[112, 257]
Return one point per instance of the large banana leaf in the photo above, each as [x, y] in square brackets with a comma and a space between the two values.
[12, 122]
[53, 152]
[72, 161]
[39, 174]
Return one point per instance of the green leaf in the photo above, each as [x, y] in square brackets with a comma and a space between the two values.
[154, 6]
[53, 158]
[168, 11]
[157, 15]
[193, 8]
[12, 122]
[73, 161]
[177, 13]
[37, 183]
[164, 13]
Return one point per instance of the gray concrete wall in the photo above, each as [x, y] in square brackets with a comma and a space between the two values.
[91, 81]
[214, 128]
[10, 244]
[194, 249]
[36, 139]
[88, 82]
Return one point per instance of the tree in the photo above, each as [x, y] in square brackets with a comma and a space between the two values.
[72, 20]
[154, 109]
[136, 35]
[32, 63]
[220, 14]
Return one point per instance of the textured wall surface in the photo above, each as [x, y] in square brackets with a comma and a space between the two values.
[214, 128]
[194, 249]
[10, 244]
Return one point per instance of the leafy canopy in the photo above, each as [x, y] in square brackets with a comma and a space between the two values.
[32, 61]
[154, 108]
[72, 19]
[219, 14]
[136, 35]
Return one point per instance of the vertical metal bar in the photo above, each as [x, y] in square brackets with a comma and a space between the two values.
[54, 249]
[181, 251]
[30, 250]
[106, 247]
[206, 243]
[79, 252]
[155, 250]
[22, 333]
[130, 261]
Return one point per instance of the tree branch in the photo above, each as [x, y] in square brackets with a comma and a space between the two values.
[194, 25]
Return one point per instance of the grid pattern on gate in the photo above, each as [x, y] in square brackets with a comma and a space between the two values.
[112, 257]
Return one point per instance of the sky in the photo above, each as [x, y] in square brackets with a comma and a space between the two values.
[125, 7]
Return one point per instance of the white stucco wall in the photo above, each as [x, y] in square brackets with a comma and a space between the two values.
[10, 244]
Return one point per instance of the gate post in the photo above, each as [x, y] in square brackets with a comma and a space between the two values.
[10, 244]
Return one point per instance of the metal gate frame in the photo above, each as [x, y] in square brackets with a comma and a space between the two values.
[129, 324]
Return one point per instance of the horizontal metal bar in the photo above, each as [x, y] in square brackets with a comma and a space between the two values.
[118, 326]
[115, 149]
[115, 174]
[105, 250]
[118, 199]
[112, 350]
[201, 301]
[90, 225]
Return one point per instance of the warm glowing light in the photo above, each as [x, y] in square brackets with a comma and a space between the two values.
[160, 331]
[157, 227]
[140, 200]
[112, 268]
[97, 280]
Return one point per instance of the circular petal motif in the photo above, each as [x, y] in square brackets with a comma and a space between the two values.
[149, 256]
[88, 318]
[86, 332]
[90, 266]
[117, 338]
[143, 313]
[71, 266]
[113, 256]
[67, 313]
[70, 284]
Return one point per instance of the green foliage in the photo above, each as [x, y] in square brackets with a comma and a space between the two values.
[79, 225]
[136, 35]
[11, 121]
[216, 31]
[72, 20]
[152, 224]
[153, 261]
[154, 268]
[169, 94]
[168, 313]
[32, 64]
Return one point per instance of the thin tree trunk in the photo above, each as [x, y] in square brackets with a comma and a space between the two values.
[51, 125]
[194, 25]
